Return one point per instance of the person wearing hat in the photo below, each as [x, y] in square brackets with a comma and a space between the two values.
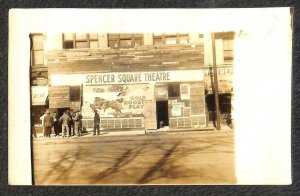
[77, 123]
[65, 121]
[96, 123]
[56, 124]
[48, 122]
[42, 119]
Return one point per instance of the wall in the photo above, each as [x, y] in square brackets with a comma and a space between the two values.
[188, 109]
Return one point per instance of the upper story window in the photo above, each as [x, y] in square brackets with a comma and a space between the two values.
[228, 49]
[171, 38]
[80, 40]
[37, 49]
[124, 40]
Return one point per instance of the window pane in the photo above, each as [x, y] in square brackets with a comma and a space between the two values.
[113, 44]
[137, 42]
[230, 54]
[173, 89]
[81, 44]
[74, 93]
[230, 44]
[225, 44]
[93, 44]
[170, 40]
[226, 54]
[80, 36]
[125, 43]
[183, 39]
[38, 57]
[68, 36]
[93, 36]
[68, 44]
[38, 42]
[157, 41]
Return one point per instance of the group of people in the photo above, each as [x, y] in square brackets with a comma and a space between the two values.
[71, 123]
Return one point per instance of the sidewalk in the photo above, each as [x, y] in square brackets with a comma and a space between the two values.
[165, 130]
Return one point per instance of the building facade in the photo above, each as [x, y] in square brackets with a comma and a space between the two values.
[132, 80]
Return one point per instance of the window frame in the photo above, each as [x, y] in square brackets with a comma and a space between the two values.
[34, 50]
[165, 36]
[75, 93]
[118, 37]
[226, 36]
[87, 40]
[171, 91]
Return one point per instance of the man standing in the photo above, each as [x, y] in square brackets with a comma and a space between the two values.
[55, 125]
[96, 123]
[48, 122]
[77, 123]
[65, 122]
[42, 119]
[71, 125]
[33, 131]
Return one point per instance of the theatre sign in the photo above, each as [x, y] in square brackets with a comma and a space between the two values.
[126, 77]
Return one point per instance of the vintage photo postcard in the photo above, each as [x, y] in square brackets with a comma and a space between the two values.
[150, 96]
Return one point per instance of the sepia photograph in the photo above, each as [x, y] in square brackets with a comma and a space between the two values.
[154, 97]
[134, 108]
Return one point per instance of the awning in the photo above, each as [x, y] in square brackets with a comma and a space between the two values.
[39, 95]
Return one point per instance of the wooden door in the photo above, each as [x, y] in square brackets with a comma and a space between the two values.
[150, 114]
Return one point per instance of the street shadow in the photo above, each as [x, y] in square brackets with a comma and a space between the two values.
[114, 159]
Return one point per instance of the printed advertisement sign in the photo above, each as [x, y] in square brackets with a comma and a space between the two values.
[225, 84]
[116, 100]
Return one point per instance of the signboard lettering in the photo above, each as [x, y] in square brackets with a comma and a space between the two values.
[126, 77]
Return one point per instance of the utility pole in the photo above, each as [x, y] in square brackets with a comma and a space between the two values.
[216, 89]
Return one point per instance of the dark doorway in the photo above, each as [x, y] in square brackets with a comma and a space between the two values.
[162, 113]
[225, 106]
[60, 111]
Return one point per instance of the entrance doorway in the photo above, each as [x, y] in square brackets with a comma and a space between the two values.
[225, 107]
[60, 111]
[162, 113]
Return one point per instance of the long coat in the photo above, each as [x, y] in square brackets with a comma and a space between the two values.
[48, 120]
[65, 119]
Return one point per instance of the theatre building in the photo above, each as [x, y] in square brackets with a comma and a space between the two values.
[134, 81]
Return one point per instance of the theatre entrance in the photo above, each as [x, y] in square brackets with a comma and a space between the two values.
[162, 113]
[60, 111]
